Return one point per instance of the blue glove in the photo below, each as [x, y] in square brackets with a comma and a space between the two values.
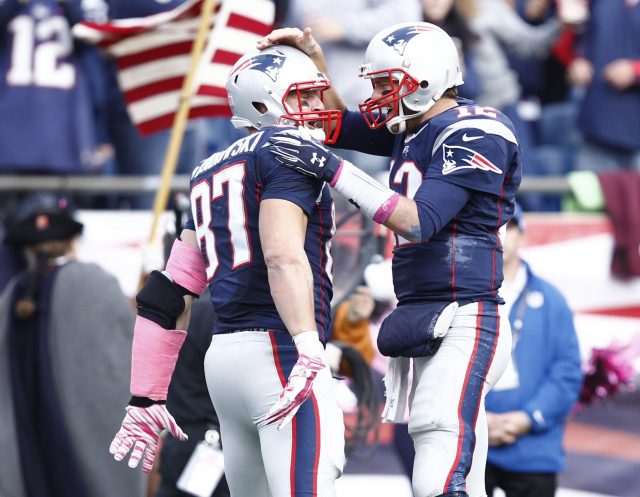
[295, 148]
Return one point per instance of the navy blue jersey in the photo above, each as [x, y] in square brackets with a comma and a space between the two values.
[47, 121]
[472, 147]
[226, 191]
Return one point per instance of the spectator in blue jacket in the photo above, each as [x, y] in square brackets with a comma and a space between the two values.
[528, 407]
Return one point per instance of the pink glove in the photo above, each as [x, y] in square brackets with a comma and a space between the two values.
[296, 391]
[141, 429]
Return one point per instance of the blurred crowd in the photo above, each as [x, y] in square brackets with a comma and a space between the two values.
[567, 73]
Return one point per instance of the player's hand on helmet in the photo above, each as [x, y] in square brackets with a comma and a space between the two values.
[140, 431]
[303, 40]
[311, 361]
[295, 148]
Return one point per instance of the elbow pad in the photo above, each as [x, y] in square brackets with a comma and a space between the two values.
[160, 300]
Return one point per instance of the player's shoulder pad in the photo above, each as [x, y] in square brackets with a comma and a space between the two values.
[466, 131]
[268, 131]
[468, 149]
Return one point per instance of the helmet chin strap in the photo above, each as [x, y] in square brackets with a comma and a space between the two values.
[398, 124]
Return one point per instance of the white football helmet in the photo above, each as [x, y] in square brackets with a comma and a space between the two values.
[267, 77]
[421, 62]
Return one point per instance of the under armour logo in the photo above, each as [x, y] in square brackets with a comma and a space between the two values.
[315, 158]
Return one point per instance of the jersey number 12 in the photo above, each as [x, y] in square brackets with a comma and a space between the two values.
[38, 53]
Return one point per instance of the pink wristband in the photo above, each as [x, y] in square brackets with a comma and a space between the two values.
[636, 70]
[336, 176]
[153, 358]
[386, 209]
[186, 267]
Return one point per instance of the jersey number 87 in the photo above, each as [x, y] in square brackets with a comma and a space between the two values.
[203, 195]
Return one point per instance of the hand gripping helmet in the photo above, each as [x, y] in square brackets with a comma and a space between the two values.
[260, 81]
[421, 62]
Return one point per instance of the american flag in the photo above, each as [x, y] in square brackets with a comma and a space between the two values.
[153, 55]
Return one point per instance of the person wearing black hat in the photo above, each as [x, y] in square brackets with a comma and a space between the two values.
[45, 230]
[528, 407]
[64, 330]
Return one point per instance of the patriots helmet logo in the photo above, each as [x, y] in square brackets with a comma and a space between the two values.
[269, 64]
[457, 157]
[399, 38]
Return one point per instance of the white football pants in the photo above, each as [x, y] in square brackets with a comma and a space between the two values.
[447, 419]
[245, 373]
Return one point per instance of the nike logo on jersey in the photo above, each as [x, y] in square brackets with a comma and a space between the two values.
[456, 158]
[467, 138]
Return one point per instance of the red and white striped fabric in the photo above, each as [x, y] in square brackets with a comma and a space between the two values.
[140, 431]
[153, 56]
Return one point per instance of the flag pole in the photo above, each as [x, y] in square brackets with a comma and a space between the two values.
[180, 119]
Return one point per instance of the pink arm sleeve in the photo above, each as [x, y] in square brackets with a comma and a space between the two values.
[153, 358]
[186, 267]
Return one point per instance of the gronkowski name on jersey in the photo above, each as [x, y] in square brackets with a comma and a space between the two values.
[226, 191]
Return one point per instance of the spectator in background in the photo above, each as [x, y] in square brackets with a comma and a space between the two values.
[46, 123]
[350, 353]
[64, 329]
[503, 33]
[453, 16]
[500, 29]
[609, 69]
[68, 114]
[547, 105]
[351, 322]
[142, 155]
[528, 407]
[541, 79]
[12, 259]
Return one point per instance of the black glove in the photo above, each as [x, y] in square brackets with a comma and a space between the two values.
[295, 148]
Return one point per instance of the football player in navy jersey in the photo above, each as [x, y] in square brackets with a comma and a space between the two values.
[455, 170]
[259, 239]
[46, 124]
